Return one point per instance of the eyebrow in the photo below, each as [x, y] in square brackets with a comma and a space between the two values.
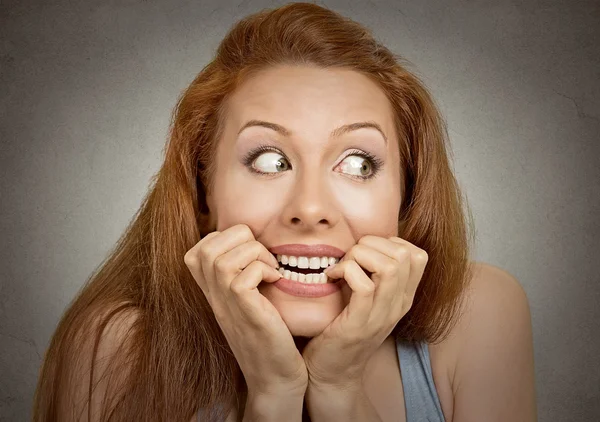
[334, 133]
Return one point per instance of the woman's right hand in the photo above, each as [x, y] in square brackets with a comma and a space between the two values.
[228, 266]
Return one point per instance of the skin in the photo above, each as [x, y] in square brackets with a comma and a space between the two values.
[480, 371]
[317, 198]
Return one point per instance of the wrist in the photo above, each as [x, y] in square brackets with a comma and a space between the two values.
[333, 398]
[329, 403]
[341, 390]
[262, 407]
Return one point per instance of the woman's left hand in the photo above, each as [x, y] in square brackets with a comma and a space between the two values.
[336, 358]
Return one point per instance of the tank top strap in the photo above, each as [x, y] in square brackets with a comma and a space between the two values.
[420, 396]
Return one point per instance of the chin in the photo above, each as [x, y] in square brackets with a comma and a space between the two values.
[301, 326]
[305, 317]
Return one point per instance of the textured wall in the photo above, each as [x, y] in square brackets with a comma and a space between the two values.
[85, 99]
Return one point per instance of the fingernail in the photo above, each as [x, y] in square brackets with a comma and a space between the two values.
[275, 262]
[326, 270]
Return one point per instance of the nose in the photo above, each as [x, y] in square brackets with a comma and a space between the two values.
[310, 205]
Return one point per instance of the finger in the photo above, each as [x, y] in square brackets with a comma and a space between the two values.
[390, 277]
[383, 270]
[418, 262]
[194, 263]
[388, 247]
[372, 260]
[233, 262]
[227, 240]
[361, 301]
[417, 269]
[243, 289]
[218, 245]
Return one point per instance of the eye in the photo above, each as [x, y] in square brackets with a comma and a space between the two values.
[270, 163]
[266, 160]
[361, 165]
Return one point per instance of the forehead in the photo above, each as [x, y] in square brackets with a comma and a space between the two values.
[295, 96]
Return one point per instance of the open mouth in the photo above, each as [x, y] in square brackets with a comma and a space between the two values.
[301, 270]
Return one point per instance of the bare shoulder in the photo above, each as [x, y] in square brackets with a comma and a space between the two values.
[488, 356]
[119, 321]
[106, 332]
[495, 299]
[95, 349]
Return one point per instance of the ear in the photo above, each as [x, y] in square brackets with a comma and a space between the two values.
[210, 214]
[206, 218]
[206, 223]
[401, 227]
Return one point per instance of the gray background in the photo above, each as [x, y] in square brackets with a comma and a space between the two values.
[87, 89]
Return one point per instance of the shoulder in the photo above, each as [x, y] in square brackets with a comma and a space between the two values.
[494, 299]
[493, 296]
[118, 322]
[104, 331]
[96, 361]
[110, 337]
[490, 350]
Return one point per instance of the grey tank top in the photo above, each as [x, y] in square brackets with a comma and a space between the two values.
[420, 396]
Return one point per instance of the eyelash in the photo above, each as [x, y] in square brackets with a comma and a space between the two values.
[253, 154]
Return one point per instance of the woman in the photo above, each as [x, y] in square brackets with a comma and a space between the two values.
[303, 253]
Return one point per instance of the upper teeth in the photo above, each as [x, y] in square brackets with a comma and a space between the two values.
[314, 262]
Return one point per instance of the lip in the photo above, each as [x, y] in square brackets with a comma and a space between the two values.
[295, 288]
[298, 249]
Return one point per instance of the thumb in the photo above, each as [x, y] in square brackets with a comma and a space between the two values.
[270, 274]
[334, 271]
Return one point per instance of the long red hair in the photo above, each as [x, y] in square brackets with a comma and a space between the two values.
[176, 359]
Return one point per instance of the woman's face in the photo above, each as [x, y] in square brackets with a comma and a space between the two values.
[313, 192]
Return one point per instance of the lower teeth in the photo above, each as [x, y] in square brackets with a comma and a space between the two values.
[316, 278]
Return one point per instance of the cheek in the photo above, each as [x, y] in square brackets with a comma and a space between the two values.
[372, 210]
[243, 202]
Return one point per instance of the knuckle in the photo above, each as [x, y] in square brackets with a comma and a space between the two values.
[205, 254]
[255, 266]
[221, 265]
[353, 264]
[390, 268]
[351, 252]
[369, 288]
[245, 231]
[361, 247]
[402, 253]
[255, 246]
[365, 239]
[190, 259]
[421, 256]
[236, 287]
